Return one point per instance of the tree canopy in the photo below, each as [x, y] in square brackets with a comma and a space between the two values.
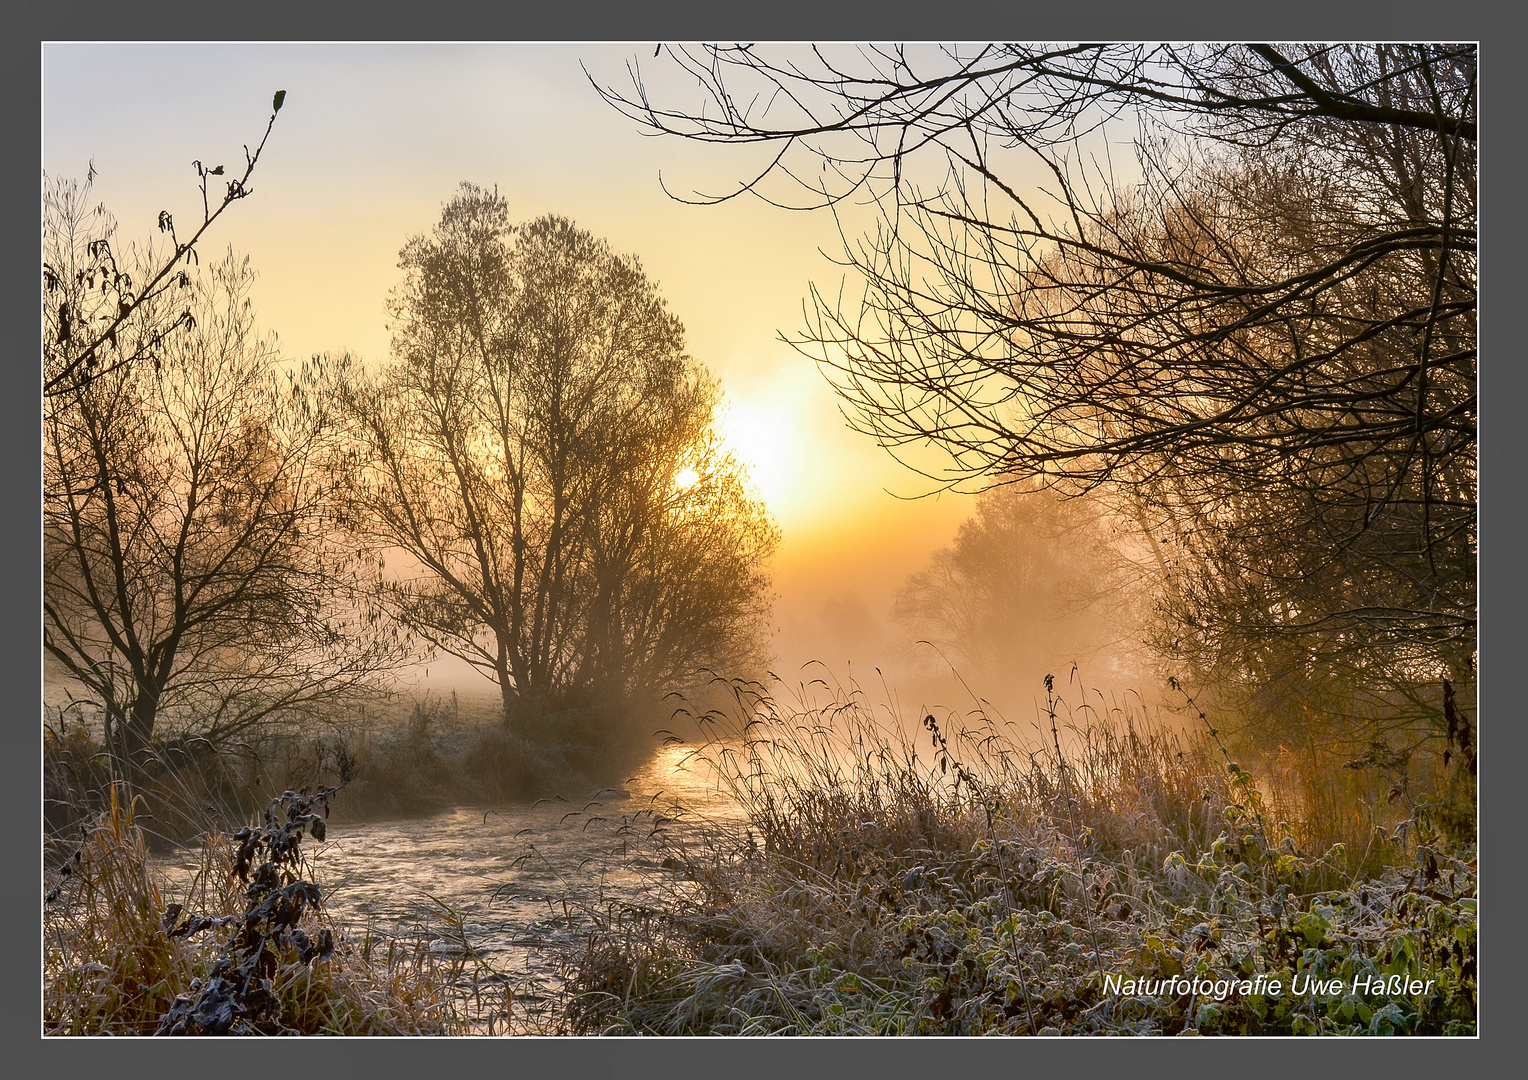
[541, 453]
[195, 576]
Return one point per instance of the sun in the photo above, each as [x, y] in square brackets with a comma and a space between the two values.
[764, 436]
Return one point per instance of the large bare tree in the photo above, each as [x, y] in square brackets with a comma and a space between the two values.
[1258, 333]
[194, 576]
[541, 452]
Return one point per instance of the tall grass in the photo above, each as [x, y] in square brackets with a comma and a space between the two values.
[114, 963]
[958, 879]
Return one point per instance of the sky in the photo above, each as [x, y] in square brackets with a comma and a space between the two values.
[372, 140]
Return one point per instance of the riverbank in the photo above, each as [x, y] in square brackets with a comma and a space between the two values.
[406, 758]
[236, 953]
[1129, 881]
[474, 908]
[814, 870]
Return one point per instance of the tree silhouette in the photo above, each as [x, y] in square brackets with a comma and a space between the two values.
[194, 576]
[1029, 580]
[1257, 337]
[542, 449]
[96, 315]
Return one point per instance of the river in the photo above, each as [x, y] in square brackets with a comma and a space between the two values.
[522, 879]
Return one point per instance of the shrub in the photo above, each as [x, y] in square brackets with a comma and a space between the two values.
[119, 960]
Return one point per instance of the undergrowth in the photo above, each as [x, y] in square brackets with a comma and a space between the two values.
[978, 884]
[394, 759]
[247, 949]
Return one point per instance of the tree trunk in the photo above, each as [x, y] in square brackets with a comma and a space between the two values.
[134, 730]
[510, 697]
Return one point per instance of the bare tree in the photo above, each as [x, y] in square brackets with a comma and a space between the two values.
[193, 574]
[1259, 334]
[542, 449]
[96, 318]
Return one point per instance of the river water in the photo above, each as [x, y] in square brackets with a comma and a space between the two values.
[520, 880]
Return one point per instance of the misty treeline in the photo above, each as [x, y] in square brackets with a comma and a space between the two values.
[1029, 584]
[1251, 341]
[234, 541]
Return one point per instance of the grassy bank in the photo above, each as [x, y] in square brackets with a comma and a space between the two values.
[121, 953]
[971, 883]
[959, 877]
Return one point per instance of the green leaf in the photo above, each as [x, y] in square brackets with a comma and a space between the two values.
[276, 102]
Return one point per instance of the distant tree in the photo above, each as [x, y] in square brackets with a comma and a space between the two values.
[194, 575]
[1029, 581]
[1257, 337]
[543, 451]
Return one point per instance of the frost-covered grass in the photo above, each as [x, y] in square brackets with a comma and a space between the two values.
[965, 883]
[112, 966]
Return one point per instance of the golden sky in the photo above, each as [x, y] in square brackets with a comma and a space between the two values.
[373, 139]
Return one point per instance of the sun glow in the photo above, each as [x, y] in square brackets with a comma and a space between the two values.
[685, 479]
[764, 436]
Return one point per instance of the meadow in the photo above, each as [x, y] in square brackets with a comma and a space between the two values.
[1100, 871]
